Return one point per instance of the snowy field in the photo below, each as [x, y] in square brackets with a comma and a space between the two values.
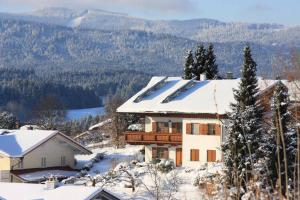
[116, 158]
[81, 113]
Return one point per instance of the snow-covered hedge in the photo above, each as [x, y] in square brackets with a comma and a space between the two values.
[166, 165]
[98, 157]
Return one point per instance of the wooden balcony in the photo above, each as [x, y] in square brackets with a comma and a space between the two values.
[153, 138]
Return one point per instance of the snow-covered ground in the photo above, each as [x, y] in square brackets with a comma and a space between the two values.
[114, 158]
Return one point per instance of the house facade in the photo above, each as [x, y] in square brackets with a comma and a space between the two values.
[24, 153]
[184, 120]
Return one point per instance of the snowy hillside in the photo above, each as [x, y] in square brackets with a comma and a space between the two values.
[207, 30]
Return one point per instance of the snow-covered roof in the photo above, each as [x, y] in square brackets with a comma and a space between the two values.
[100, 124]
[42, 174]
[16, 143]
[38, 191]
[175, 95]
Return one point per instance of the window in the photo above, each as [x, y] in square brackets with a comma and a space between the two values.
[211, 155]
[211, 129]
[160, 152]
[177, 127]
[20, 164]
[162, 127]
[195, 129]
[63, 160]
[194, 155]
[43, 162]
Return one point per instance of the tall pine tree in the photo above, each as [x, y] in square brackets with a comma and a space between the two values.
[210, 67]
[189, 65]
[241, 147]
[285, 137]
[200, 59]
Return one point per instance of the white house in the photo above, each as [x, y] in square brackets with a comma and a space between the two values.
[184, 119]
[29, 155]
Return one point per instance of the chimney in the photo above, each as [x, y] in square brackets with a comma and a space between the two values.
[202, 77]
[51, 183]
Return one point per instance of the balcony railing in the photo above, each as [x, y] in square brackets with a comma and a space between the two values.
[153, 138]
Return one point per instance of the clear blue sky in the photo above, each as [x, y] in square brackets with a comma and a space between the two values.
[272, 11]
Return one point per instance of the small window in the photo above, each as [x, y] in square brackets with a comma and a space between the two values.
[211, 129]
[43, 162]
[176, 127]
[195, 129]
[160, 152]
[63, 160]
[194, 155]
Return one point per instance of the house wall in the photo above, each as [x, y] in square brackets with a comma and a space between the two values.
[4, 168]
[4, 162]
[201, 142]
[149, 120]
[172, 151]
[53, 149]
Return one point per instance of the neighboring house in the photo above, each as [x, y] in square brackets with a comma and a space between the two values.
[17, 191]
[30, 155]
[185, 119]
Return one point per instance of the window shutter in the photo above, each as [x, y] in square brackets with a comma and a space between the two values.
[197, 155]
[188, 128]
[211, 155]
[218, 129]
[203, 129]
[194, 155]
[176, 127]
[154, 129]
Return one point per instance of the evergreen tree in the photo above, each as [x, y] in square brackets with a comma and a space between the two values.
[241, 147]
[200, 60]
[7, 120]
[211, 68]
[285, 137]
[189, 64]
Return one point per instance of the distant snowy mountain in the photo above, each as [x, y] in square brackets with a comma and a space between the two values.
[206, 30]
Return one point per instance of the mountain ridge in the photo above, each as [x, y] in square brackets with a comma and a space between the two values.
[202, 29]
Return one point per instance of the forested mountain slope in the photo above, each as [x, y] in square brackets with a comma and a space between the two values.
[78, 64]
[206, 30]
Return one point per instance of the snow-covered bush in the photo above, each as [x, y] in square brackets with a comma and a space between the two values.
[98, 157]
[166, 165]
[136, 127]
[200, 180]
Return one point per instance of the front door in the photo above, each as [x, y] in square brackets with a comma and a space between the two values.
[178, 157]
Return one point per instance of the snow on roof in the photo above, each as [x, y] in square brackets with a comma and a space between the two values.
[16, 143]
[38, 191]
[208, 96]
[40, 175]
[99, 125]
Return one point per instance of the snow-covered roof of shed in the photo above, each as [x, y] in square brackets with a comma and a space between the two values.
[16, 143]
[38, 191]
[176, 95]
